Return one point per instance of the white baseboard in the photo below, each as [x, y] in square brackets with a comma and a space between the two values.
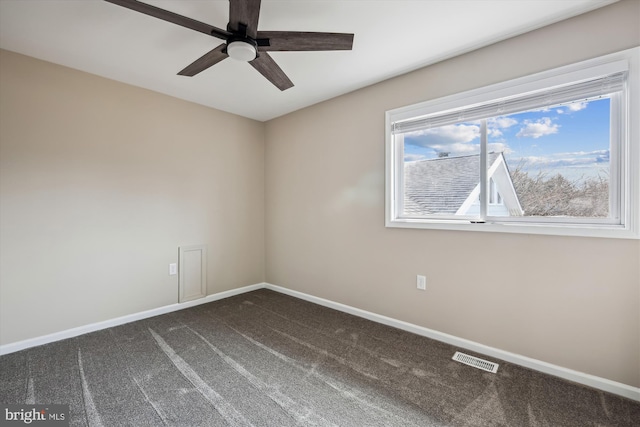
[537, 365]
[74, 332]
[517, 359]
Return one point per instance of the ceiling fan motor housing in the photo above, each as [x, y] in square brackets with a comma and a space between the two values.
[242, 49]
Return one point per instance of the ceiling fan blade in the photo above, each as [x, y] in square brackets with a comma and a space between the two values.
[205, 61]
[174, 18]
[244, 12]
[304, 41]
[268, 68]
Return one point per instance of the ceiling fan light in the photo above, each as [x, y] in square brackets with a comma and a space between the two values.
[241, 51]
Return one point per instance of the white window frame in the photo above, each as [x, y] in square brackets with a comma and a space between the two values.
[628, 194]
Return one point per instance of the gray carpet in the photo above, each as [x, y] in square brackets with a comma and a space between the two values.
[267, 359]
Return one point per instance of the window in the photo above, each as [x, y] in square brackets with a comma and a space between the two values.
[553, 153]
[494, 195]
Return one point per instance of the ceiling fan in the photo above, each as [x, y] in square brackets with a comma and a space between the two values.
[243, 41]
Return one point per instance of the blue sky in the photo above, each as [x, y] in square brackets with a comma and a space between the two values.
[570, 139]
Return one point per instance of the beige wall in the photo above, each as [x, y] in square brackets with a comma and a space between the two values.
[100, 184]
[570, 301]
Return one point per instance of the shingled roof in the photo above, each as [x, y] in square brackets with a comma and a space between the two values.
[441, 185]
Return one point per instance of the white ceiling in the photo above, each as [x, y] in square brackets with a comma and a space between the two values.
[391, 38]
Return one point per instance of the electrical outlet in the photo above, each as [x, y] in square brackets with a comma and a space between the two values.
[173, 269]
[421, 282]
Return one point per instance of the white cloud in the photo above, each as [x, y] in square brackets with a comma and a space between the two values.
[452, 139]
[494, 133]
[445, 135]
[540, 127]
[501, 122]
[460, 139]
[596, 153]
[498, 147]
[413, 157]
[577, 106]
[557, 160]
[572, 108]
[495, 124]
[457, 149]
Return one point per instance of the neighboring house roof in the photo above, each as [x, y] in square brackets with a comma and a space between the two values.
[450, 185]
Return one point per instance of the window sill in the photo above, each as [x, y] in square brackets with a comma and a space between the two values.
[576, 230]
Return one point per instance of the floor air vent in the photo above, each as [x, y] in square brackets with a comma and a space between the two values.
[485, 365]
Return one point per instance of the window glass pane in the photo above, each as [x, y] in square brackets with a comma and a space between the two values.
[442, 171]
[557, 159]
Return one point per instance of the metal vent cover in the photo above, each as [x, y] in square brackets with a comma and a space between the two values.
[476, 362]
